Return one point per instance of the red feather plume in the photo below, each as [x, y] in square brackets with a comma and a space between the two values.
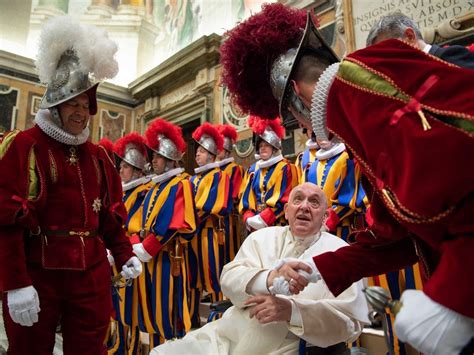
[258, 125]
[228, 131]
[131, 138]
[210, 130]
[470, 47]
[249, 50]
[169, 130]
[108, 145]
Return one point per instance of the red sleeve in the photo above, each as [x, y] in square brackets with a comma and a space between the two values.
[236, 182]
[13, 272]
[114, 215]
[349, 264]
[247, 215]
[268, 216]
[16, 211]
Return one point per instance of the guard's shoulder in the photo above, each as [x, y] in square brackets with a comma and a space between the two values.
[16, 140]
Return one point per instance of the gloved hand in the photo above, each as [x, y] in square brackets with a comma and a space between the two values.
[315, 276]
[256, 222]
[132, 268]
[110, 258]
[430, 327]
[140, 251]
[23, 305]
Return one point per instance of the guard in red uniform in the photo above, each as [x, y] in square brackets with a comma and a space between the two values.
[407, 117]
[61, 205]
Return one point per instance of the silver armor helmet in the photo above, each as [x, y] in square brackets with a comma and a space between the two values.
[168, 149]
[134, 156]
[270, 137]
[228, 144]
[69, 81]
[207, 142]
[284, 66]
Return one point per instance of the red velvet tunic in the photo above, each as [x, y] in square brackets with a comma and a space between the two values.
[40, 187]
[421, 181]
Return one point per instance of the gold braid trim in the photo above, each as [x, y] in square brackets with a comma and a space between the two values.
[53, 167]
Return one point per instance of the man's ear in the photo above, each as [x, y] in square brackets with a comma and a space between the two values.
[410, 36]
[295, 87]
[285, 207]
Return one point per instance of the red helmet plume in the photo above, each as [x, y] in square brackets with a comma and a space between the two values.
[249, 50]
[228, 131]
[259, 125]
[160, 129]
[108, 145]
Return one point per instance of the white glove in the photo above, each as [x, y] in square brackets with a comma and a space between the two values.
[256, 222]
[140, 251]
[23, 305]
[430, 327]
[110, 258]
[132, 268]
[280, 287]
[315, 276]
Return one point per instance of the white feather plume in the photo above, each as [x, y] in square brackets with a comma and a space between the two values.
[96, 52]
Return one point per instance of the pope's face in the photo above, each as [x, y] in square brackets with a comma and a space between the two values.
[74, 114]
[306, 209]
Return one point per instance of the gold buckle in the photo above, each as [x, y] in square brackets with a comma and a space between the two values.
[80, 234]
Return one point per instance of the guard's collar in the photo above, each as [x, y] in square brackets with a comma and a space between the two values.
[44, 121]
[206, 167]
[324, 154]
[225, 161]
[157, 179]
[272, 161]
[134, 183]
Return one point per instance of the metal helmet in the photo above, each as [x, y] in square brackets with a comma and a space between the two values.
[284, 66]
[132, 150]
[208, 143]
[165, 139]
[69, 54]
[229, 133]
[268, 130]
[228, 145]
[69, 81]
[271, 138]
[208, 137]
[134, 156]
[167, 148]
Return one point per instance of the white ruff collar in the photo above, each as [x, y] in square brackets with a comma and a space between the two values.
[206, 167]
[266, 163]
[225, 161]
[324, 154]
[319, 101]
[311, 145]
[134, 183]
[158, 179]
[46, 124]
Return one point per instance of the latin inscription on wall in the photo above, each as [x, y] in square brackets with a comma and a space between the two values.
[425, 13]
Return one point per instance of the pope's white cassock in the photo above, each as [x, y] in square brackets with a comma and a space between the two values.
[317, 316]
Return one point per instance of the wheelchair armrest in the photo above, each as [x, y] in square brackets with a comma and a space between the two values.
[221, 306]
